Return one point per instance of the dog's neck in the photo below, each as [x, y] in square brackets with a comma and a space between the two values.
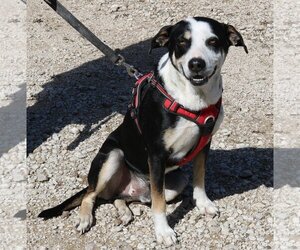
[191, 97]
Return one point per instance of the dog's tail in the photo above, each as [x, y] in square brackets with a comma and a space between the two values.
[69, 204]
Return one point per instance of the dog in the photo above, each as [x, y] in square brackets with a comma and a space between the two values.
[140, 160]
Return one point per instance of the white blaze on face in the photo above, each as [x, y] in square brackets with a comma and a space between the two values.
[200, 33]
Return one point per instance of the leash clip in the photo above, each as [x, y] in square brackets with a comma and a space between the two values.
[131, 71]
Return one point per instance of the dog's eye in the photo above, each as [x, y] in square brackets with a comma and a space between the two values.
[182, 42]
[213, 42]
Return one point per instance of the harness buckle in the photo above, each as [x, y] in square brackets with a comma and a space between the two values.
[208, 126]
[151, 81]
[209, 119]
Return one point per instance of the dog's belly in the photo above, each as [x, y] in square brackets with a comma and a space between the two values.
[181, 139]
[136, 188]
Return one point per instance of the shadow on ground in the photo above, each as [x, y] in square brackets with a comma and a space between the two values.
[13, 121]
[85, 95]
[230, 172]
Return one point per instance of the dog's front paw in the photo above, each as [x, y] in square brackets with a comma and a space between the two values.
[207, 207]
[85, 223]
[165, 235]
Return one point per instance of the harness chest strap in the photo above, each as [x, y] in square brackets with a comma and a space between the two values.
[204, 118]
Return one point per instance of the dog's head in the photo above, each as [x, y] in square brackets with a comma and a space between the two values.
[198, 46]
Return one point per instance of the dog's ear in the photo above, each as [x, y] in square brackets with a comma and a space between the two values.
[161, 39]
[234, 37]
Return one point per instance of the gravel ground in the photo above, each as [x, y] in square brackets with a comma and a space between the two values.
[13, 171]
[75, 98]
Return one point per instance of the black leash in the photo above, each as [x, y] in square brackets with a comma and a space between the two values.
[116, 58]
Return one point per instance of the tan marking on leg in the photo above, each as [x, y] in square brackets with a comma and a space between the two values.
[204, 204]
[85, 212]
[157, 198]
[199, 171]
[158, 201]
[88, 203]
[108, 170]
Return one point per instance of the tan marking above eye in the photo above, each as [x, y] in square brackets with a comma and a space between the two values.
[187, 35]
[182, 43]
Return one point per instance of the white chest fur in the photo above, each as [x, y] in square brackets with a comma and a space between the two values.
[181, 138]
[184, 136]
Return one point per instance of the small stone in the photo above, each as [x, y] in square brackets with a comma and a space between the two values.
[106, 105]
[117, 222]
[79, 155]
[19, 176]
[214, 230]
[246, 173]
[55, 137]
[115, 7]
[21, 214]
[140, 246]
[75, 131]
[226, 132]
[133, 238]
[65, 214]
[230, 247]
[42, 176]
[241, 145]
[136, 211]
[118, 228]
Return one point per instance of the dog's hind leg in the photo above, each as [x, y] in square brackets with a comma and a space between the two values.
[103, 168]
[123, 211]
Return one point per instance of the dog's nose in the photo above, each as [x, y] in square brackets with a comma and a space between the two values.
[196, 64]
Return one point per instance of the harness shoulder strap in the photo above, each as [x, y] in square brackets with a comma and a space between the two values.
[137, 97]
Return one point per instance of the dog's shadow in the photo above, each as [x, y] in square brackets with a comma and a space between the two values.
[85, 95]
[229, 172]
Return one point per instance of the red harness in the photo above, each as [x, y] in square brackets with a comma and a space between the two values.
[204, 118]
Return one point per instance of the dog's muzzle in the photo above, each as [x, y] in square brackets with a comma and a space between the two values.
[199, 80]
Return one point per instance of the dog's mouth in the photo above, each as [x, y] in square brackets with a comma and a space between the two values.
[199, 80]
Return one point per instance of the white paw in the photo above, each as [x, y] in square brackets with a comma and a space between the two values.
[166, 235]
[207, 207]
[85, 223]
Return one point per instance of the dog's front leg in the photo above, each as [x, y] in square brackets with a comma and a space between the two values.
[164, 233]
[204, 204]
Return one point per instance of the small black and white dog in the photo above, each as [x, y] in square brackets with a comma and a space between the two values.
[139, 161]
